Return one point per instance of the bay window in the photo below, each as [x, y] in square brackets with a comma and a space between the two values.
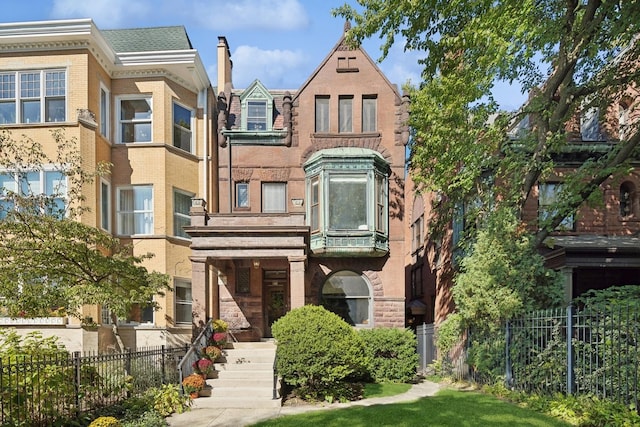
[44, 190]
[181, 218]
[347, 190]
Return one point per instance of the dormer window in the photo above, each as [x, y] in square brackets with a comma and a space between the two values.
[257, 108]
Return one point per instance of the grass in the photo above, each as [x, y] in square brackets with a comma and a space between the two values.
[446, 408]
[386, 389]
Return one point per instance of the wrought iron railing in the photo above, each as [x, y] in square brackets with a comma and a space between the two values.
[43, 390]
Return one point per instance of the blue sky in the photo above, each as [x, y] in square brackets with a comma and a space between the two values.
[279, 42]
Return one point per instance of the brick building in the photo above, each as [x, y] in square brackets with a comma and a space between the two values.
[311, 199]
[141, 100]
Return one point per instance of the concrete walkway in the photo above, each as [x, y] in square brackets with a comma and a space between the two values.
[209, 417]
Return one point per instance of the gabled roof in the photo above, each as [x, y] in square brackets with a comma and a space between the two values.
[342, 45]
[148, 39]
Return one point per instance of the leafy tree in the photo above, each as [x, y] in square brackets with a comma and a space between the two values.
[571, 56]
[48, 258]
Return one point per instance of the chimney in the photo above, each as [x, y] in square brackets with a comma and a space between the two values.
[224, 66]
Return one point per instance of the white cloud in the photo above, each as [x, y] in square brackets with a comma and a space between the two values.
[106, 13]
[276, 69]
[400, 66]
[224, 15]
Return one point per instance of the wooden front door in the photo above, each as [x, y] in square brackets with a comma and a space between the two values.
[275, 287]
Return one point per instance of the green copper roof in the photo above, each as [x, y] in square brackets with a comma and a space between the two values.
[148, 39]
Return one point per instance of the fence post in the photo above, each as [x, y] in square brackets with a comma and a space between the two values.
[164, 374]
[77, 378]
[423, 361]
[508, 368]
[570, 355]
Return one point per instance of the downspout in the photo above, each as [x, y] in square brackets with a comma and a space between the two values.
[205, 151]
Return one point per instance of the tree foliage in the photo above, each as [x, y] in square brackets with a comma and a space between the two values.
[48, 258]
[569, 55]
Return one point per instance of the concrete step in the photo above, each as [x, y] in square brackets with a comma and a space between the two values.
[236, 403]
[244, 366]
[249, 393]
[244, 374]
[246, 355]
[266, 382]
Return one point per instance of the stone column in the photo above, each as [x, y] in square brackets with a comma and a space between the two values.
[199, 291]
[296, 280]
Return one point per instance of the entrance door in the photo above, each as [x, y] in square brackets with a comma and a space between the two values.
[274, 290]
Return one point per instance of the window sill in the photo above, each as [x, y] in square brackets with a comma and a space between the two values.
[345, 134]
[33, 321]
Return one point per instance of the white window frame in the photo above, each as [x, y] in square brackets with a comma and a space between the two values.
[177, 127]
[351, 298]
[121, 213]
[182, 283]
[105, 205]
[104, 99]
[20, 96]
[121, 122]
[178, 231]
[42, 183]
[276, 186]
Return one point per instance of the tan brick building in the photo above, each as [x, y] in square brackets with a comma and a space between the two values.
[141, 100]
[311, 199]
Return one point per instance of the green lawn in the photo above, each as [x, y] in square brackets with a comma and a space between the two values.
[446, 408]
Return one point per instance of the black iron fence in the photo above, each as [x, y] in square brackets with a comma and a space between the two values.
[591, 350]
[49, 389]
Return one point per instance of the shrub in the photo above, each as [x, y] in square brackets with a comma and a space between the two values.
[167, 400]
[317, 350]
[105, 422]
[391, 353]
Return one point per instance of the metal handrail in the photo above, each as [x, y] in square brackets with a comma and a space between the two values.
[275, 377]
[185, 367]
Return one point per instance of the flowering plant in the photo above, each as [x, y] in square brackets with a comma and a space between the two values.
[220, 325]
[213, 352]
[193, 383]
[203, 366]
[219, 339]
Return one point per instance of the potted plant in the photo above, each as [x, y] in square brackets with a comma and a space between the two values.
[212, 352]
[192, 385]
[219, 339]
[203, 367]
[220, 325]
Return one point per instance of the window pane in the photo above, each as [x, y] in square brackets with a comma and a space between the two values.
[347, 294]
[54, 83]
[105, 198]
[54, 110]
[315, 204]
[7, 112]
[274, 197]
[136, 132]
[345, 114]
[242, 195]
[30, 85]
[256, 115]
[181, 218]
[103, 112]
[30, 111]
[369, 114]
[181, 127]
[183, 301]
[135, 210]
[135, 109]
[322, 114]
[348, 202]
[7, 86]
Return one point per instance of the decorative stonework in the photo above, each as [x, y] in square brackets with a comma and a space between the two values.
[281, 174]
[242, 174]
[326, 142]
[87, 117]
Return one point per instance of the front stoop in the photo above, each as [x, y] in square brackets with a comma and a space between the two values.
[244, 378]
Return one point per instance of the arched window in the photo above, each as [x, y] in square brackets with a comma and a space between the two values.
[349, 296]
[627, 199]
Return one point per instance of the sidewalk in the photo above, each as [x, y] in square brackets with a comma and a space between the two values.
[208, 417]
